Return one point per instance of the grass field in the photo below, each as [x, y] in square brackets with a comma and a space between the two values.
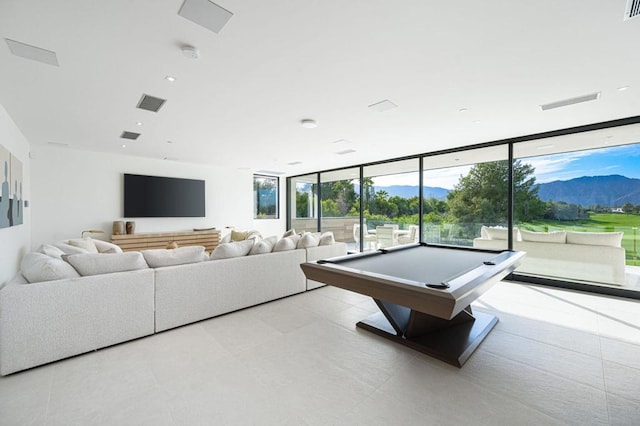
[629, 224]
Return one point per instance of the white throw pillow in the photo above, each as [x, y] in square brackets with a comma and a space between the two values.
[327, 239]
[286, 244]
[37, 267]
[69, 249]
[107, 247]
[558, 237]
[264, 246]
[498, 232]
[610, 239]
[51, 251]
[308, 240]
[254, 234]
[95, 264]
[232, 249]
[226, 239]
[162, 257]
[289, 232]
[84, 243]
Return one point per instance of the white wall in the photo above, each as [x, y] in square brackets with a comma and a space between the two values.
[77, 190]
[15, 240]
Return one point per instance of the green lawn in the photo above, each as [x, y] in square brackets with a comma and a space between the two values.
[599, 222]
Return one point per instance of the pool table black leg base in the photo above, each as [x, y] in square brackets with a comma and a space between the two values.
[453, 344]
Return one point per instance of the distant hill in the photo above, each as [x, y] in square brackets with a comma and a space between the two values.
[408, 191]
[612, 190]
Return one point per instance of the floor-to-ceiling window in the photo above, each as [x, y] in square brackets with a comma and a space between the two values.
[340, 203]
[466, 196]
[574, 203]
[303, 202]
[391, 203]
[581, 222]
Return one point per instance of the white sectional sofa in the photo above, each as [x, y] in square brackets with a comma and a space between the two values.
[583, 256]
[41, 322]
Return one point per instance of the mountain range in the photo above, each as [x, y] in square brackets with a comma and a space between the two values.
[612, 190]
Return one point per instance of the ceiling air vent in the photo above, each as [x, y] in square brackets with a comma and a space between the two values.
[571, 101]
[150, 103]
[129, 135]
[632, 10]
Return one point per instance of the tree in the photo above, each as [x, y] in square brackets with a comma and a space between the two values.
[482, 195]
[627, 208]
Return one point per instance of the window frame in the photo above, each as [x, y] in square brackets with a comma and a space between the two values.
[256, 204]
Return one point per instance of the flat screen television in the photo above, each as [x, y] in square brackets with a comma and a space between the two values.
[156, 196]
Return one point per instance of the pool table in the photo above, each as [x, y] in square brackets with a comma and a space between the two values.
[424, 293]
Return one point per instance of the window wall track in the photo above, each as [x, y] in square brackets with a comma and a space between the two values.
[359, 201]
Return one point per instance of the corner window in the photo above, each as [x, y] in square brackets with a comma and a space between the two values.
[265, 197]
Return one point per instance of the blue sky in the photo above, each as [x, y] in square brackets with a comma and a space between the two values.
[617, 160]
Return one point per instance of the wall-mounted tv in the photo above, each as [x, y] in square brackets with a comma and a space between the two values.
[156, 196]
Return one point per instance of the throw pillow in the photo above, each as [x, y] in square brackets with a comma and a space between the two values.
[286, 244]
[558, 237]
[69, 249]
[37, 267]
[264, 246]
[95, 264]
[239, 236]
[51, 251]
[308, 240]
[498, 232]
[254, 234]
[107, 247]
[232, 249]
[289, 233]
[226, 238]
[610, 239]
[84, 243]
[156, 258]
[327, 239]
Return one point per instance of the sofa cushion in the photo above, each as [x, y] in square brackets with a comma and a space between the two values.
[264, 246]
[497, 233]
[308, 240]
[327, 239]
[156, 258]
[559, 237]
[37, 267]
[95, 264]
[610, 239]
[84, 243]
[232, 249]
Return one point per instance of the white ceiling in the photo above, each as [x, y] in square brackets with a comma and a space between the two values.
[278, 62]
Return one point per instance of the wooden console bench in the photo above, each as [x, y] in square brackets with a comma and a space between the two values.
[133, 242]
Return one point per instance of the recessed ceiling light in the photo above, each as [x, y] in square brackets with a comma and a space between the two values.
[139, 123]
[623, 88]
[308, 123]
[383, 106]
[463, 110]
[294, 163]
[124, 146]
[169, 141]
[346, 151]
[170, 78]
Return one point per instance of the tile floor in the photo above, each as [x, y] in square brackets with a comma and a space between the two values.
[555, 357]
